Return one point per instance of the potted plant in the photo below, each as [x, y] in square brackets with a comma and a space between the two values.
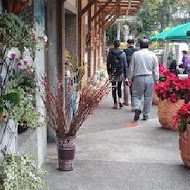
[182, 121]
[26, 114]
[16, 6]
[164, 73]
[58, 111]
[7, 102]
[16, 33]
[171, 93]
[21, 172]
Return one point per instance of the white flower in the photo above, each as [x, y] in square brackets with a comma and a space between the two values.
[45, 38]
[28, 61]
[26, 52]
[22, 65]
[13, 53]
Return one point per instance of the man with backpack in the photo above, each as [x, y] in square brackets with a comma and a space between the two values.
[126, 89]
[116, 68]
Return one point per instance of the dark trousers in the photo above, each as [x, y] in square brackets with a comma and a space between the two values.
[116, 90]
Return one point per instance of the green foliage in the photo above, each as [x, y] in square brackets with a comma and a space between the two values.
[111, 34]
[9, 100]
[12, 97]
[73, 66]
[156, 15]
[25, 82]
[21, 173]
[25, 112]
[16, 33]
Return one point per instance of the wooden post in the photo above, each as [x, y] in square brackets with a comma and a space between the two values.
[89, 36]
[79, 32]
[95, 40]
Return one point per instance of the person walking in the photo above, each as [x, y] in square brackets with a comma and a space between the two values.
[116, 68]
[144, 72]
[186, 62]
[126, 89]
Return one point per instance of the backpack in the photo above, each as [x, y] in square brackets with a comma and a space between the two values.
[117, 66]
[129, 52]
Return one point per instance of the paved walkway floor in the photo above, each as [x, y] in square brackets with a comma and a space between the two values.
[110, 155]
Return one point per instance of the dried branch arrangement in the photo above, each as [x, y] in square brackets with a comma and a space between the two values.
[57, 114]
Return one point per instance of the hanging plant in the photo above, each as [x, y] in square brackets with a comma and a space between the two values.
[16, 33]
[16, 6]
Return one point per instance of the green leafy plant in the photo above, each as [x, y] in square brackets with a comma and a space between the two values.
[21, 172]
[9, 100]
[26, 113]
[25, 82]
[16, 33]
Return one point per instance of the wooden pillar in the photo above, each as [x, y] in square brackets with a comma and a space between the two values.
[61, 46]
[89, 40]
[79, 32]
[95, 39]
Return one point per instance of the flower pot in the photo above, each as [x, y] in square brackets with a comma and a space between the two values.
[22, 128]
[166, 111]
[155, 99]
[66, 152]
[184, 146]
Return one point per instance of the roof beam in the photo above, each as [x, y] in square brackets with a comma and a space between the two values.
[88, 6]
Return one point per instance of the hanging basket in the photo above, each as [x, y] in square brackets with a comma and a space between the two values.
[166, 111]
[184, 146]
[66, 152]
[15, 6]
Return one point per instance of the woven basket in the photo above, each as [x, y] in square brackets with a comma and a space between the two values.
[184, 146]
[155, 99]
[166, 111]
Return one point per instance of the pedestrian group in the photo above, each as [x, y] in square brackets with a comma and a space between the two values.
[138, 71]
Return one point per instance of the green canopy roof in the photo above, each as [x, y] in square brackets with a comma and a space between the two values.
[177, 33]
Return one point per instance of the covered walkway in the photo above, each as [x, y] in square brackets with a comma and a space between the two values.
[110, 155]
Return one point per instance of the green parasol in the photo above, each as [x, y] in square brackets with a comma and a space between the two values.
[177, 33]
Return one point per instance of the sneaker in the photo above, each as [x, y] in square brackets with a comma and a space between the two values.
[137, 114]
[120, 105]
[125, 104]
[145, 117]
[115, 106]
[133, 110]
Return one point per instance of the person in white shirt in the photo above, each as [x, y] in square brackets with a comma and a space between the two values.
[143, 73]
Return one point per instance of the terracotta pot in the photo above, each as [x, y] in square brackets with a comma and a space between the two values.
[184, 146]
[15, 6]
[166, 111]
[66, 152]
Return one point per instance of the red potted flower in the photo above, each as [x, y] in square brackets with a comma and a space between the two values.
[164, 73]
[171, 93]
[182, 121]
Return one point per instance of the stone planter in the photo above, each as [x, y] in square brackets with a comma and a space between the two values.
[166, 111]
[66, 152]
[184, 146]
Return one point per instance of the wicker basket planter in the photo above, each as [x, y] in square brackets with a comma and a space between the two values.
[184, 146]
[166, 111]
[155, 99]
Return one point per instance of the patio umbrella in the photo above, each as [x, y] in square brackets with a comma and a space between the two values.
[177, 33]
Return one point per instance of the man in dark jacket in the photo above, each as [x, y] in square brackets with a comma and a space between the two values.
[126, 89]
[116, 68]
